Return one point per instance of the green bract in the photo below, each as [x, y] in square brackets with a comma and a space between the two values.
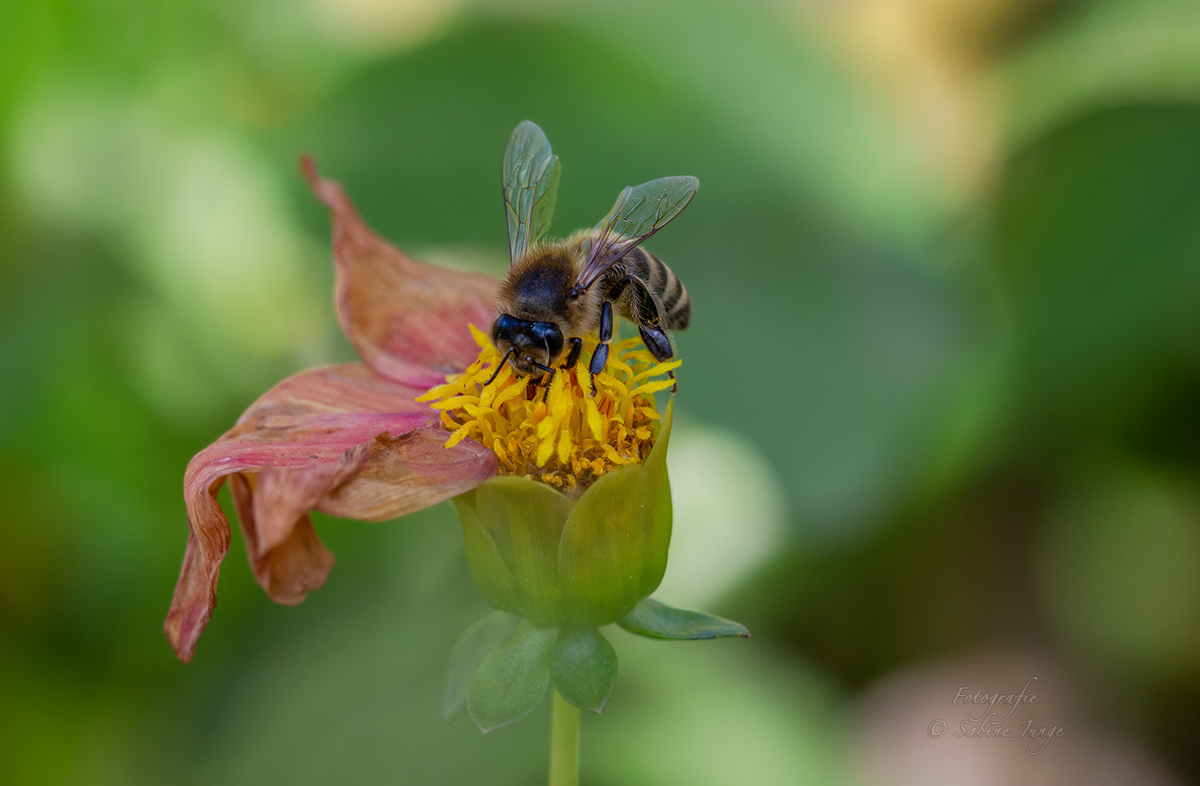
[656, 620]
[535, 553]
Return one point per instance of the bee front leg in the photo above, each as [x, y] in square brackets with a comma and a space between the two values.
[573, 355]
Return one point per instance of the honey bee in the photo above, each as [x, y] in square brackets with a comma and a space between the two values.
[557, 292]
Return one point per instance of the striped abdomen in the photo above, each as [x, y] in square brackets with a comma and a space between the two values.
[671, 298]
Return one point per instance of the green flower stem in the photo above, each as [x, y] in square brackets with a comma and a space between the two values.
[564, 743]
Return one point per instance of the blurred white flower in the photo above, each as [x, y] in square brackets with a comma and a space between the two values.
[729, 511]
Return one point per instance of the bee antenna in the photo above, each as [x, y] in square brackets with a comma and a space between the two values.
[499, 366]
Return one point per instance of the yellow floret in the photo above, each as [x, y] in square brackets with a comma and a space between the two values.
[554, 429]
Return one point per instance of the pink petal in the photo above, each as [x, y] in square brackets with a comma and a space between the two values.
[404, 317]
[341, 388]
[295, 450]
[410, 472]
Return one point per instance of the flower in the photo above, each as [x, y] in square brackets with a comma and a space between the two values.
[560, 482]
[350, 439]
[413, 425]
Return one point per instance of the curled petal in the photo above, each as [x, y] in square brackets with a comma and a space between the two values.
[404, 317]
[287, 556]
[294, 451]
[290, 568]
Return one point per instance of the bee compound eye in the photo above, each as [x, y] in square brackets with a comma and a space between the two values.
[502, 328]
[548, 333]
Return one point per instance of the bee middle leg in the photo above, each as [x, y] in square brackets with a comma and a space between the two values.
[600, 356]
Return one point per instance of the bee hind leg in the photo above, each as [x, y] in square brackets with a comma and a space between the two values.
[659, 344]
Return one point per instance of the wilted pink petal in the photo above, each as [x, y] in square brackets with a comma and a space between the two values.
[340, 388]
[297, 449]
[404, 317]
[409, 472]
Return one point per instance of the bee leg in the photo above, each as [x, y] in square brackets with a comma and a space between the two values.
[657, 342]
[573, 355]
[545, 370]
[599, 359]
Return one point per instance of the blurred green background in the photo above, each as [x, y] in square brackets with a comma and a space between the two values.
[937, 419]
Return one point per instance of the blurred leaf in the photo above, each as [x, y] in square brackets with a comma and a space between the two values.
[584, 668]
[512, 680]
[656, 620]
[476, 643]
[1096, 243]
[1106, 53]
[1119, 573]
[778, 94]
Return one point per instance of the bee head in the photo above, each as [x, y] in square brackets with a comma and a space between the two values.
[530, 347]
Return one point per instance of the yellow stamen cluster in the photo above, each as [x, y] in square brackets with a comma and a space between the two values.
[558, 433]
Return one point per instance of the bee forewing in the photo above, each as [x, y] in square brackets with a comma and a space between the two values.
[531, 173]
[639, 212]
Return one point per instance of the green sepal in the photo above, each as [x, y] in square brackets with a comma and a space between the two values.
[476, 643]
[584, 668]
[511, 529]
[513, 678]
[613, 551]
[656, 620]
